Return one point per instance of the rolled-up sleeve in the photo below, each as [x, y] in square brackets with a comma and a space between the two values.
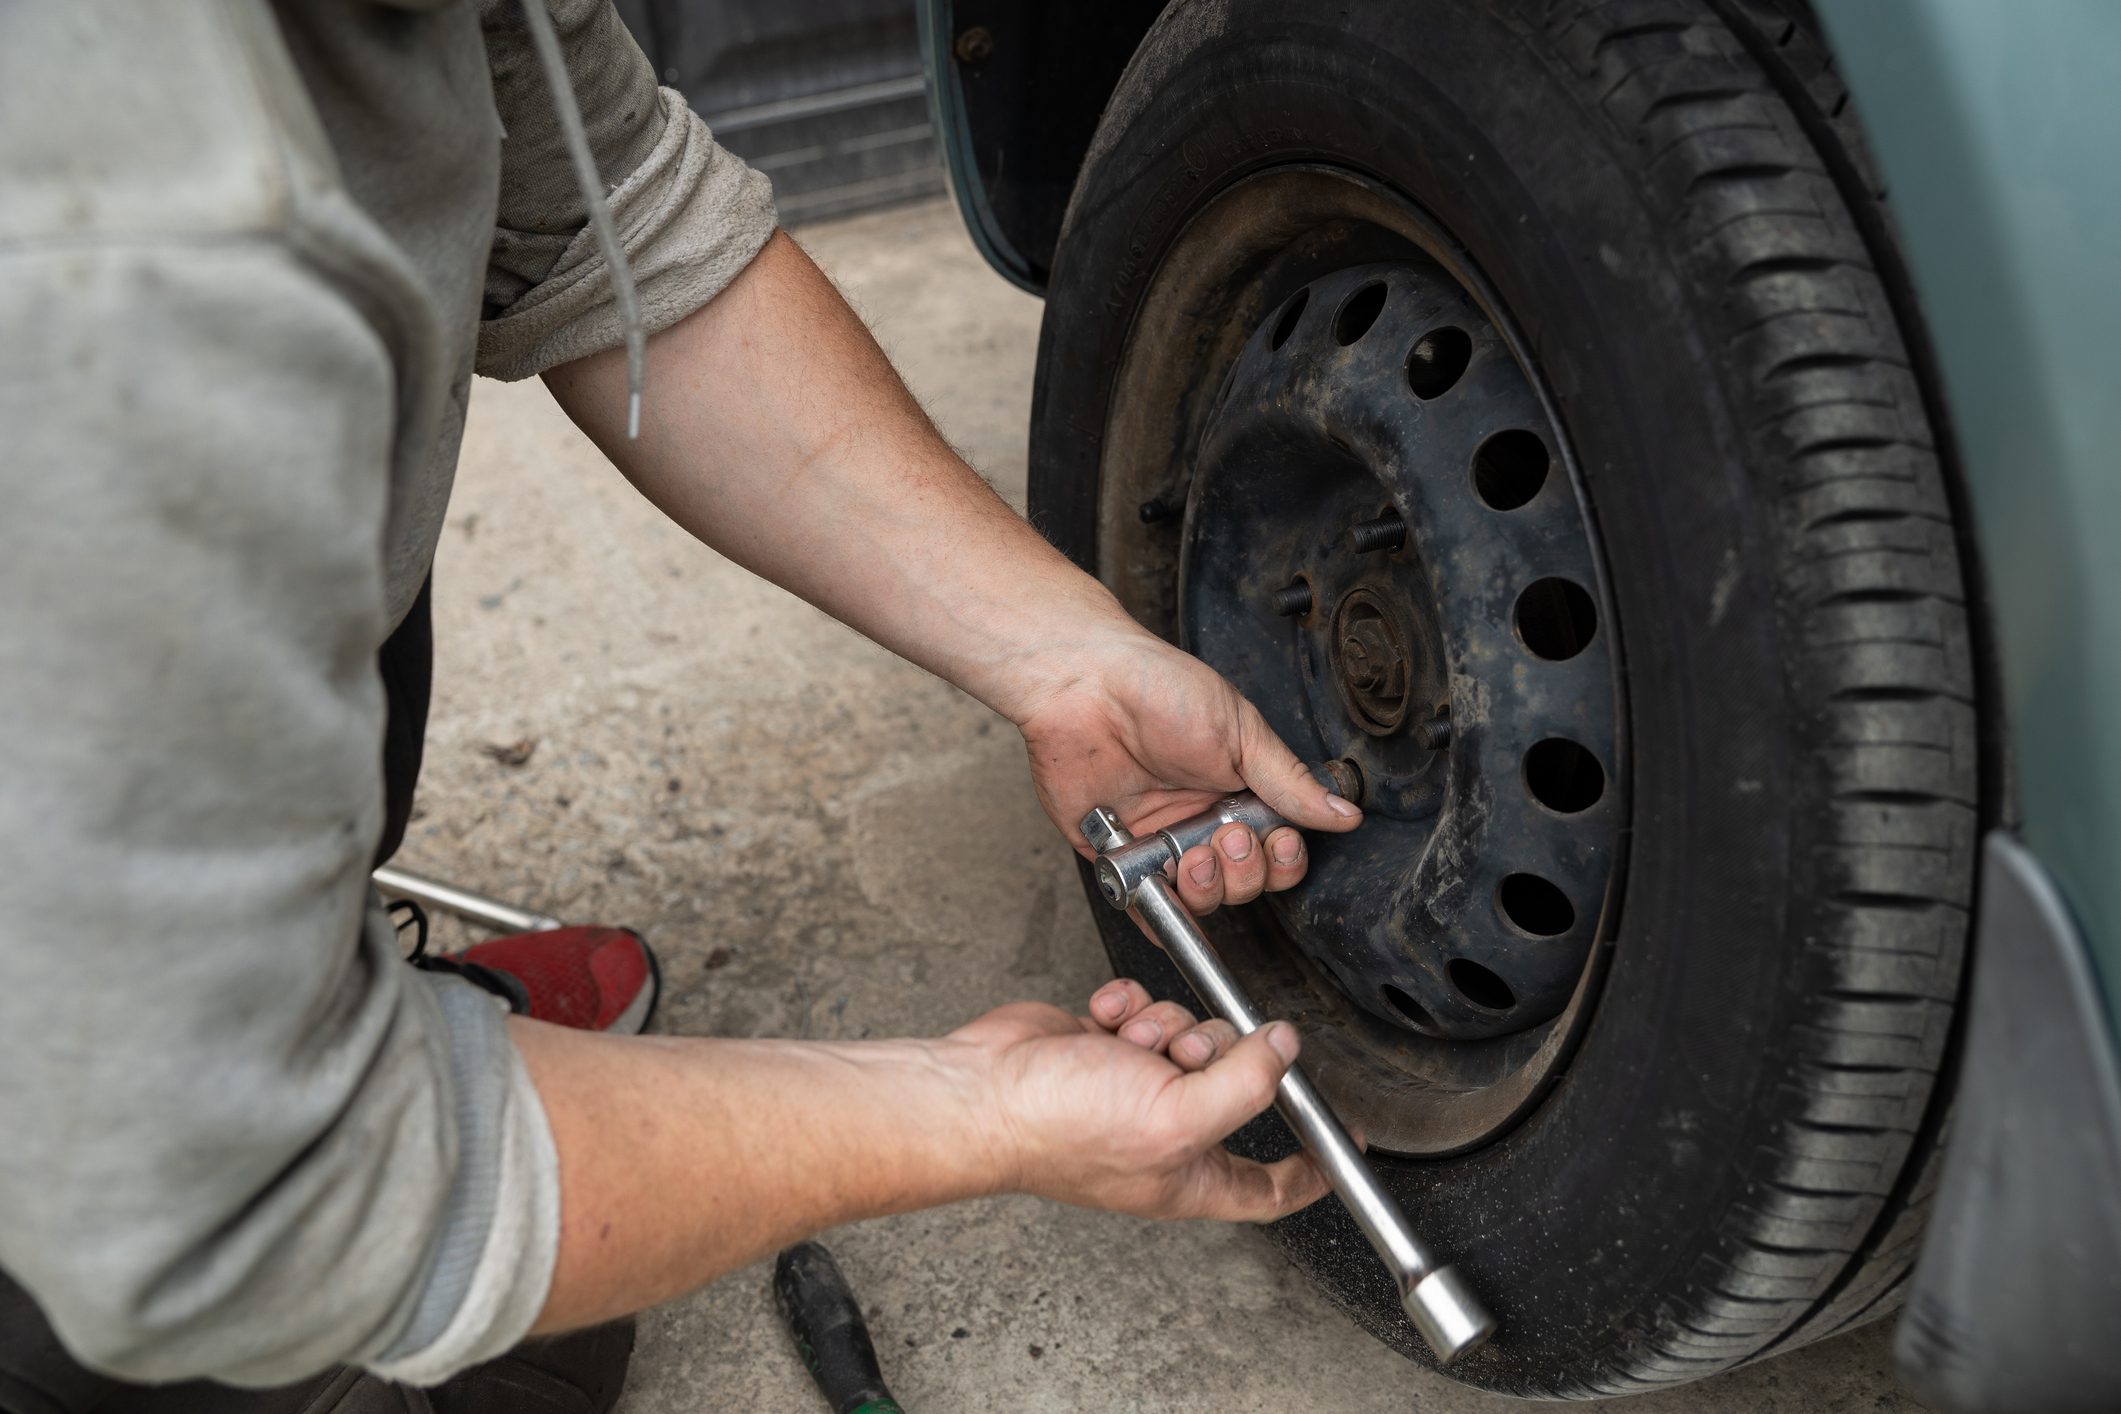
[690, 215]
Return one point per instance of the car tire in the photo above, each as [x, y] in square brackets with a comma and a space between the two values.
[1733, 1153]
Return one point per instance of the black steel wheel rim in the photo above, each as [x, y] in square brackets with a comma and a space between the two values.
[1235, 268]
[1378, 459]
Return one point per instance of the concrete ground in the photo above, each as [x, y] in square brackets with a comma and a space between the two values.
[719, 765]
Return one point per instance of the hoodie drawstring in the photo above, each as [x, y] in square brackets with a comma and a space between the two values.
[547, 44]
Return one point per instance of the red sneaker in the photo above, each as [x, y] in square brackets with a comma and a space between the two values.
[592, 979]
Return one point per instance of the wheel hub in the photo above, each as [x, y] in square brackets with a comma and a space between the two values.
[1374, 661]
[1376, 554]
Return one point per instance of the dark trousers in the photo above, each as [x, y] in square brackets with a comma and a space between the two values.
[37, 1376]
[574, 1374]
[407, 664]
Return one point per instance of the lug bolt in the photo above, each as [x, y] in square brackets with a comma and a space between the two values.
[1435, 734]
[1293, 601]
[1388, 532]
[1345, 778]
[1154, 510]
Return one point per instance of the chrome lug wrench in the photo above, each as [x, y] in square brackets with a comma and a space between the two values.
[1130, 874]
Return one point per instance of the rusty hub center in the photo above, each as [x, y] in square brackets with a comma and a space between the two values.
[1372, 660]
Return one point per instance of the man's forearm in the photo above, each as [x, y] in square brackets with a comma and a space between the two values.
[775, 430]
[681, 1160]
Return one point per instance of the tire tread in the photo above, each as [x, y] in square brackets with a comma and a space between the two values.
[1876, 597]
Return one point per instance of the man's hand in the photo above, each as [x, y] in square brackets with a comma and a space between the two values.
[1157, 735]
[1127, 1108]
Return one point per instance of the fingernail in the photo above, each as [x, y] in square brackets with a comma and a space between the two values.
[1282, 1037]
[1286, 848]
[1238, 845]
[1343, 808]
[1196, 1047]
[1203, 873]
[1141, 1032]
[1110, 1004]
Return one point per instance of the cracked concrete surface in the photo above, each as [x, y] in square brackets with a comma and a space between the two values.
[726, 769]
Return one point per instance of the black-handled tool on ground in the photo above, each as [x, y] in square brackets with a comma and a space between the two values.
[1130, 874]
[830, 1335]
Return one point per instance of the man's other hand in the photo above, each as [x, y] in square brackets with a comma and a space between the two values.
[1127, 1108]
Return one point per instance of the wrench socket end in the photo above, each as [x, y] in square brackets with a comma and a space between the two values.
[1447, 1315]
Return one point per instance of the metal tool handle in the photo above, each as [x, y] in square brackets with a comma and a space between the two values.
[1121, 869]
[433, 893]
[1437, 1299]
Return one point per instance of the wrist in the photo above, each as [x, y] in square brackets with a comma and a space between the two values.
[973, 1117]
[1079, 650]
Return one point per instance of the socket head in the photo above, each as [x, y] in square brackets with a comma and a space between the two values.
[1122, 871]
[1101, 827]
[1110, 884]
[1447, 1315]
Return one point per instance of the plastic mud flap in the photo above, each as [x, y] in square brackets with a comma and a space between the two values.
[2016, 1302]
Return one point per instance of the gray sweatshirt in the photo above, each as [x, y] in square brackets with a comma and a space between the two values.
[250, 256]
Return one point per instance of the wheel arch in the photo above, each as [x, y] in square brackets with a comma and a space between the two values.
[1017, 88]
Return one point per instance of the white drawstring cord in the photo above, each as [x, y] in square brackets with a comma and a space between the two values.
[547, 44]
